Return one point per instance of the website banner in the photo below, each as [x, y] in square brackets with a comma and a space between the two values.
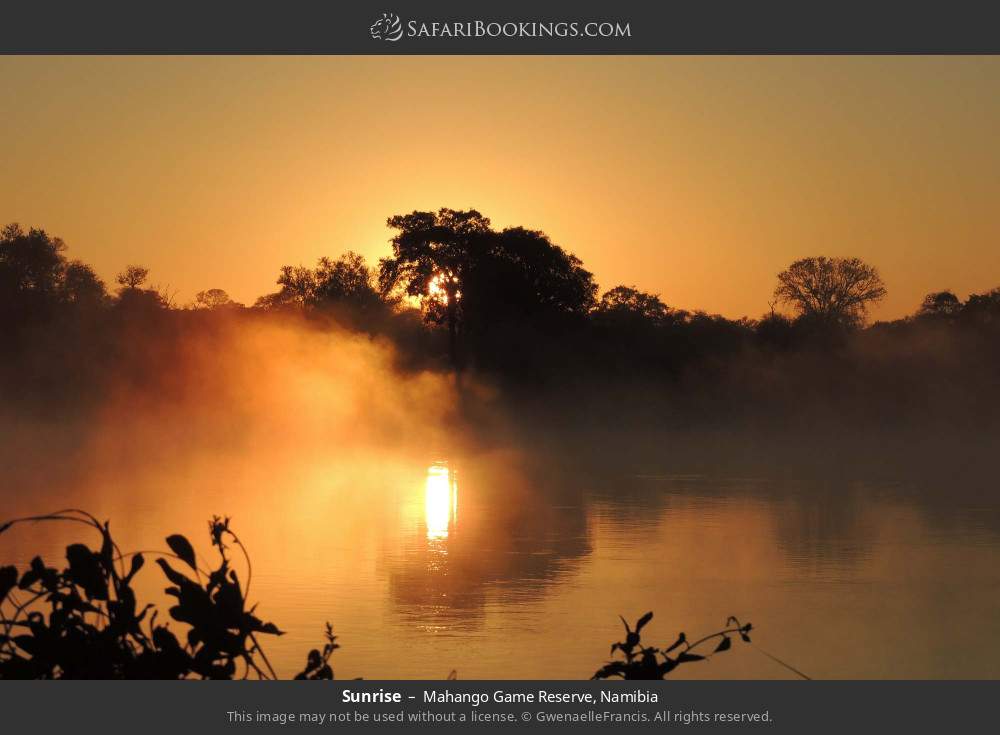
[513, 27]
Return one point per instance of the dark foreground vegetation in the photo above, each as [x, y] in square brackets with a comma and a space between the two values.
[510, 309]
[85, 622]
[647, 663]
[95, 628]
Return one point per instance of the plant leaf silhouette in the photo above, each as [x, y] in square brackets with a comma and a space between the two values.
[8, 581]
[137, 563]
[681, 640]
[686, 657]
[649, 663]
[174, 576]
[643, 620]
[95, 630]
[85, 570]
[182, 547]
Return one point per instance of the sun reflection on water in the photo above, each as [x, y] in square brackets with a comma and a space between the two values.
[440, 501]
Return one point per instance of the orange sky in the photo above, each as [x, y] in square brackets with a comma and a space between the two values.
[695, 177]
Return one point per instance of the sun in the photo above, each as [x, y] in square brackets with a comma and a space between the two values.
[437, 291]
[440, 501]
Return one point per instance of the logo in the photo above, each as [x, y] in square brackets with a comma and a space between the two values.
[387, 28]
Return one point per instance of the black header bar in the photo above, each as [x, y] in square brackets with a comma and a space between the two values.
[513, 27]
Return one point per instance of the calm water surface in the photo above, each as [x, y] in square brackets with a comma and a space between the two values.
[498, 567]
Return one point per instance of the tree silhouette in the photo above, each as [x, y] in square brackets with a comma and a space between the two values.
[30, 262]
[983, 308]
[831, 291]
[36, 278]
[298, 285]
[213, 298]
[431, 257]
[136, 300]
[628, 303]
[82, 286]
[132, 277]
[472, 278]
[522, 274]
[940, 304]
[346, 280]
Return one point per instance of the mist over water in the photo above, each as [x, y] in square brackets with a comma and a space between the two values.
[441, 527]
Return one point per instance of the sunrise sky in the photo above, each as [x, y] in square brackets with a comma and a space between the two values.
[698, 178]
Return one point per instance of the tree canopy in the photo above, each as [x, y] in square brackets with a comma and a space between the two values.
[831, 291]
[133, 277]
[629, 303]
[471, 277]
[35, 275]
[940, 304]
[345, 281]
[213, 298]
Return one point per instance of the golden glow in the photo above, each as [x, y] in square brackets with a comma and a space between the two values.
[440, 501]
[699, 178]
[436, 290]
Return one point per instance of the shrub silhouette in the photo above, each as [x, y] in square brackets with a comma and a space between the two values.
[318, 663]
[95, 629]
[644, 663]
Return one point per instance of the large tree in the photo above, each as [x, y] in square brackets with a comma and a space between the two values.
[831, 291]
[35, 275]
[31, 263]
[432, 255]
[521, 274]
[470, 277]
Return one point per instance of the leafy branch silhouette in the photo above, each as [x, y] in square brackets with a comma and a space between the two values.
[95, 630]
[644, 663]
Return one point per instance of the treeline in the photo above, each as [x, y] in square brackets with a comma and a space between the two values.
[457, 294]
